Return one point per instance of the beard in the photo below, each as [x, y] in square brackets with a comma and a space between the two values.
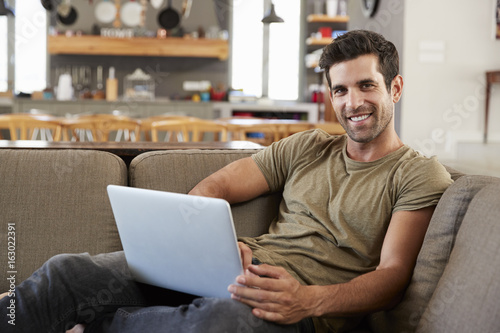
[379, 121]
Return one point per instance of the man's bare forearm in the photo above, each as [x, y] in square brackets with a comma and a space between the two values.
[375, 291]
[239, 181]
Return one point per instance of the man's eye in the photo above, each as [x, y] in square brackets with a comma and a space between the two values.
[339, 91]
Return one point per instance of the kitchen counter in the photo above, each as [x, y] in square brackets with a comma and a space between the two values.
[144, 109]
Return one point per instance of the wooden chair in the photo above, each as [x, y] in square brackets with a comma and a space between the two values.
[146, 123]
[258, 130]
[99, 128]
[287, 129]
[23, 126]
[199, 129]
[176, 130]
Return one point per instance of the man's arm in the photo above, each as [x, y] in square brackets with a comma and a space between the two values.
[283, 299]
[239, 181]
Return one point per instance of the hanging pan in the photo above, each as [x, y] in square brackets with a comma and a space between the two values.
[47, 4]
[66, 14]
[169, 18]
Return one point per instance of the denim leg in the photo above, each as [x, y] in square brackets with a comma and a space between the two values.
[203, 315]
[70, 289]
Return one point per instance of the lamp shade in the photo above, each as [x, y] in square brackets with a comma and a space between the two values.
[4, 10]
[271, 16]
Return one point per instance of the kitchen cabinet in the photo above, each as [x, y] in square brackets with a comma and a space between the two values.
[138, 46]
[139, 109]
[277, 110]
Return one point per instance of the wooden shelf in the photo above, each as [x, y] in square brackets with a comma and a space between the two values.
[139, 46]
[319, 41]
[325, 18]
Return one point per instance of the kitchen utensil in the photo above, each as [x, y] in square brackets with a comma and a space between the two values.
[156, 3]
[47, 4]
[130, 13]
[186, 8]
[144, 7]
[64, 88]
[105, 11]
[5, 10]
[168, 18]
[66, 14]
[117, 23]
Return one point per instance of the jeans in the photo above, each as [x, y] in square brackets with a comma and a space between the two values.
[100, 292]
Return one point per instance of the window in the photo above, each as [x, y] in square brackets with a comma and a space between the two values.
[3, 54]
[30, 46]
[247, 48]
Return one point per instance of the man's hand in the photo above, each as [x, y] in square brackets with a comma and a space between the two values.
[245, 255]
[274, 294]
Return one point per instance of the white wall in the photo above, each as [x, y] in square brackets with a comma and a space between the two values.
[448, 47]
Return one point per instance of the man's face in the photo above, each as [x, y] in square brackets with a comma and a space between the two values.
[360, 99]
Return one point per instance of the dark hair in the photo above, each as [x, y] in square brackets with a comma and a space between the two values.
[356, 43]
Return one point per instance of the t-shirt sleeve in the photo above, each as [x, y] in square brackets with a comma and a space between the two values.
[422, 182]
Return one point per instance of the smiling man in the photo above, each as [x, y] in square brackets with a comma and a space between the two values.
[354, 213]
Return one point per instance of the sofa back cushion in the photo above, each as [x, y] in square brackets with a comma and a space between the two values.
[55, 201]
[180, 171]
[467, 295]
[433, 257]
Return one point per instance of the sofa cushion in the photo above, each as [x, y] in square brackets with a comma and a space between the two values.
[433, 257]
[467, 296]
[180, 171]
[55, 201]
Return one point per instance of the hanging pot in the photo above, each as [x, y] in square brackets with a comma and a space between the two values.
[169, 18]
[66, 14]
[47, 4]
[4, 10]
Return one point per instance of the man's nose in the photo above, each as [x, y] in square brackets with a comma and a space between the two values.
[354, 99]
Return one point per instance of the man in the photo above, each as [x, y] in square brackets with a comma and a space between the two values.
[354, 214]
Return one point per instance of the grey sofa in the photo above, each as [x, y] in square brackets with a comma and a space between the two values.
[55, 201]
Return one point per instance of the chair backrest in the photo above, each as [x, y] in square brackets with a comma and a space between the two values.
[262, 133]
[23, 126]
[201, 127]
[146, 122]
[99, 127]
[189, 129]
[176, 130]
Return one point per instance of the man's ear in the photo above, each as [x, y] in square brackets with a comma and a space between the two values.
[396, 88]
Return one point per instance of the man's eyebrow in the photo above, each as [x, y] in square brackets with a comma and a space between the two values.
[338, 86]
[365, 81]
[360, 82]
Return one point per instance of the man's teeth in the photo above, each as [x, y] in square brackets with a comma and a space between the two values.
[360, 117]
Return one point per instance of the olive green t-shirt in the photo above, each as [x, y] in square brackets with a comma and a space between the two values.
[335, 211]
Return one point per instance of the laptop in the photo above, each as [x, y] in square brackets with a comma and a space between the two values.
[177, 241]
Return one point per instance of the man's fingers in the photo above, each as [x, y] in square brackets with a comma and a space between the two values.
[268, 271]
[245, 254]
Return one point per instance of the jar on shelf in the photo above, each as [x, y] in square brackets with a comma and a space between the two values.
[139, 86]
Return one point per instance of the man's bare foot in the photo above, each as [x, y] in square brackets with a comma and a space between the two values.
[3, 295]
[77, 329]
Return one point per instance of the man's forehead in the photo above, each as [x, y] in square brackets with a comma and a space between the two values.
[363, 68]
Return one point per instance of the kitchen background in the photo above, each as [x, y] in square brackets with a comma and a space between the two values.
[168, 73]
